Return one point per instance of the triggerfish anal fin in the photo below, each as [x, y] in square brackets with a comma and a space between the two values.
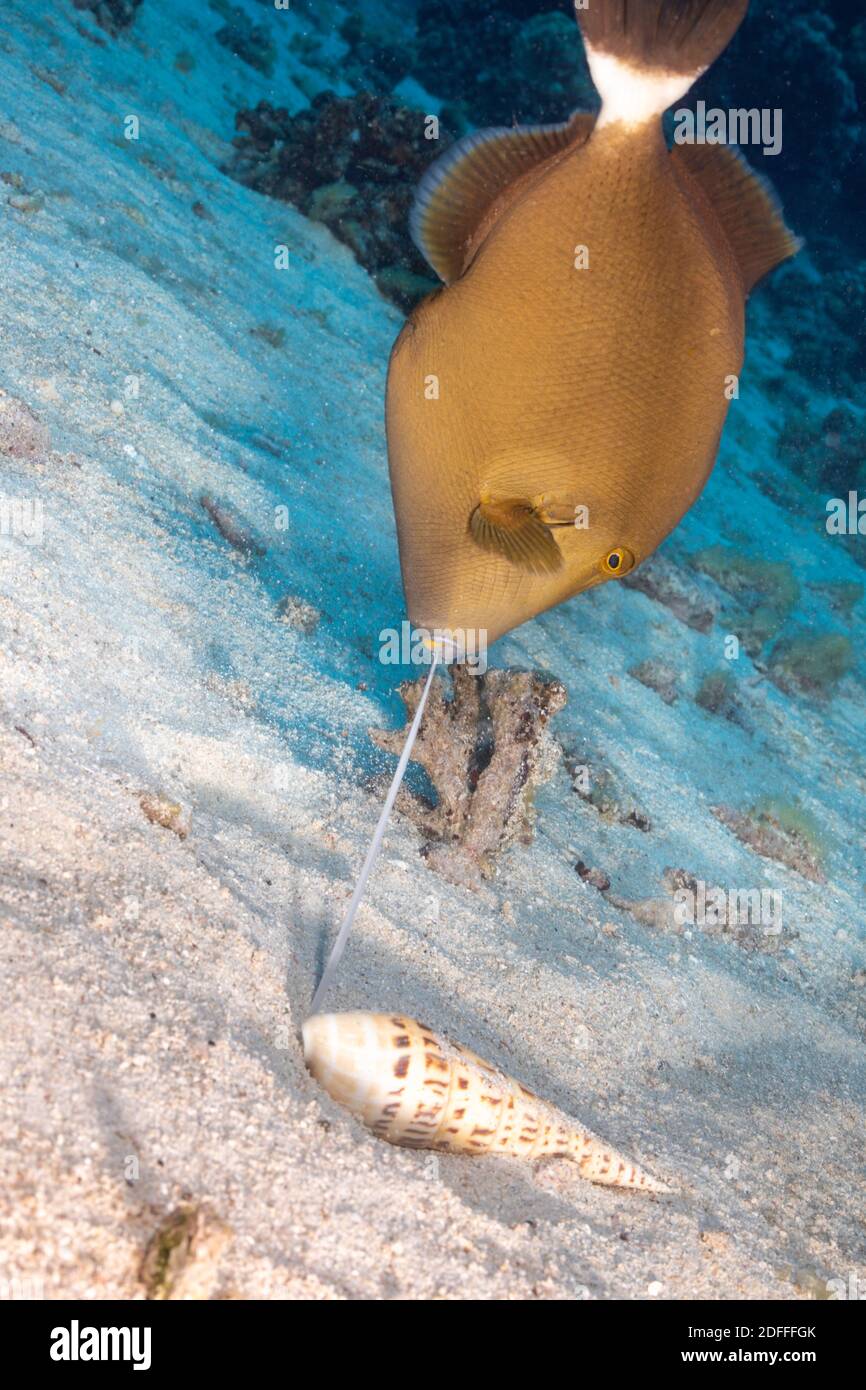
[463, 193]
[512, 528]
[744, 204]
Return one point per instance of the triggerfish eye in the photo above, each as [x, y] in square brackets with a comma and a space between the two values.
[618, 561]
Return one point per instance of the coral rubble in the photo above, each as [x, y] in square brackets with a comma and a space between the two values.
[717, 694]
[750, 918]
[159, 810]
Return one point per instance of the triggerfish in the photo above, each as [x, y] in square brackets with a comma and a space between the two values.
[555, 409]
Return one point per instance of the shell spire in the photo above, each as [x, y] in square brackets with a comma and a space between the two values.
[412, 1087]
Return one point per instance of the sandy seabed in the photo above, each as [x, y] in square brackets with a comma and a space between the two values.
[153, 981]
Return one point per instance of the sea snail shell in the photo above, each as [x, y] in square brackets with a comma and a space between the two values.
[413, 1088]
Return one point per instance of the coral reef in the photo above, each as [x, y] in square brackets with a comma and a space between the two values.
[485, 750]
[824, 315]
[250, 42]
[352, 163]
[110, 15]
[806, 51]
[780, 831]
[378, 58]
[806, 663]
[766, 591]
[533, 68]
[660, 579]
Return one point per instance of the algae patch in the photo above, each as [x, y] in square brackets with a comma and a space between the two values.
[779, 830]
[766, 592]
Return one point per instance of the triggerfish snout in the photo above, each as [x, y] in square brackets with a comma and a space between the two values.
[555, 410]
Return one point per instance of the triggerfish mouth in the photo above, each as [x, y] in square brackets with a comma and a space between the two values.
[555, 409]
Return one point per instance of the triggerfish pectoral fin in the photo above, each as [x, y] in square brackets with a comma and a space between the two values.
[512, 528]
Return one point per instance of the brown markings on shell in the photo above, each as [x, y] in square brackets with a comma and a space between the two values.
[413, 1088]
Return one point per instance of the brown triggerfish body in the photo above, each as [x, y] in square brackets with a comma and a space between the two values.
[557, 408]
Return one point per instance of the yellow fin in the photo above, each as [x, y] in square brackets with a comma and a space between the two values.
[511, 527]
[462, 194]
[743, 203]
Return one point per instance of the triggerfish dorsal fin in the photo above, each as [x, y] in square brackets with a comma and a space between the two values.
[511, 527]
[743, 203]
[464, 192]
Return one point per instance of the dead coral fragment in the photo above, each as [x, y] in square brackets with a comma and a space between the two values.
[22, 435]
[804, 664]
[182, 1257]
[169, 814]
[269, 333]
[778, 831]
[485, 751]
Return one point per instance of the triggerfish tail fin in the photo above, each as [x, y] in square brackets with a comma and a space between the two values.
[465, 192]
[512, 528]
[742, 202]
[645, 54]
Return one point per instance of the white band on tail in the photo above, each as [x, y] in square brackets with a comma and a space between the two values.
[631, 94]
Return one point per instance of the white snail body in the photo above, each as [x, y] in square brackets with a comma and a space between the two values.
[413, 1088]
